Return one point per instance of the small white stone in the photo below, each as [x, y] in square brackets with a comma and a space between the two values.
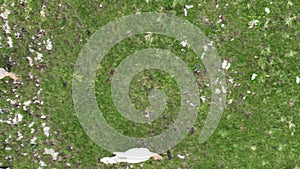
[9, 42]
[253, 76]
[297, 80]
[203, 99]
[226, 65]
[253, 148]
[7, 148]
[181, 156]
[46, 131]
[267, 10]
[253, 23]
[49, 45]
[183, 43]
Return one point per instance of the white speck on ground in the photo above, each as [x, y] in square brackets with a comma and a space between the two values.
[203, 99]
[20, 136]
[183, 43]
[18, 118]
[5, 14]
[6, 27]
[267, 10]
[49, 45]
[43, 117]
[290, 3]
[42, 164]
[17, 35]
[253, 148]
[297, 79]
[25, 104]
[10, 42]
[52, 153]
[218, 91]
[253, 23]
[205, 47]
[33, 140]
[39, 57]
[186, 8]
[43, 11]
[181, 156]
[31, 124]
[30, 61]
[46, 129]
[253, 76]
[7, 148]
[226, 65]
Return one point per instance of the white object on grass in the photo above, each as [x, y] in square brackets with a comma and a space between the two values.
[135, 155]
[181, 156]
[186, 8]
[183, 43]
[297, 80]
[4, 73]
[225, 65]
[267, 10]
[52, 153]
[253, 23]
[253, 76]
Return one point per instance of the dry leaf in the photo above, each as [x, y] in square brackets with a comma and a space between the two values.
[4, 73]
[157, 157]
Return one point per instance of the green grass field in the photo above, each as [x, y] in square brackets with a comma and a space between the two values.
[40, 41]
